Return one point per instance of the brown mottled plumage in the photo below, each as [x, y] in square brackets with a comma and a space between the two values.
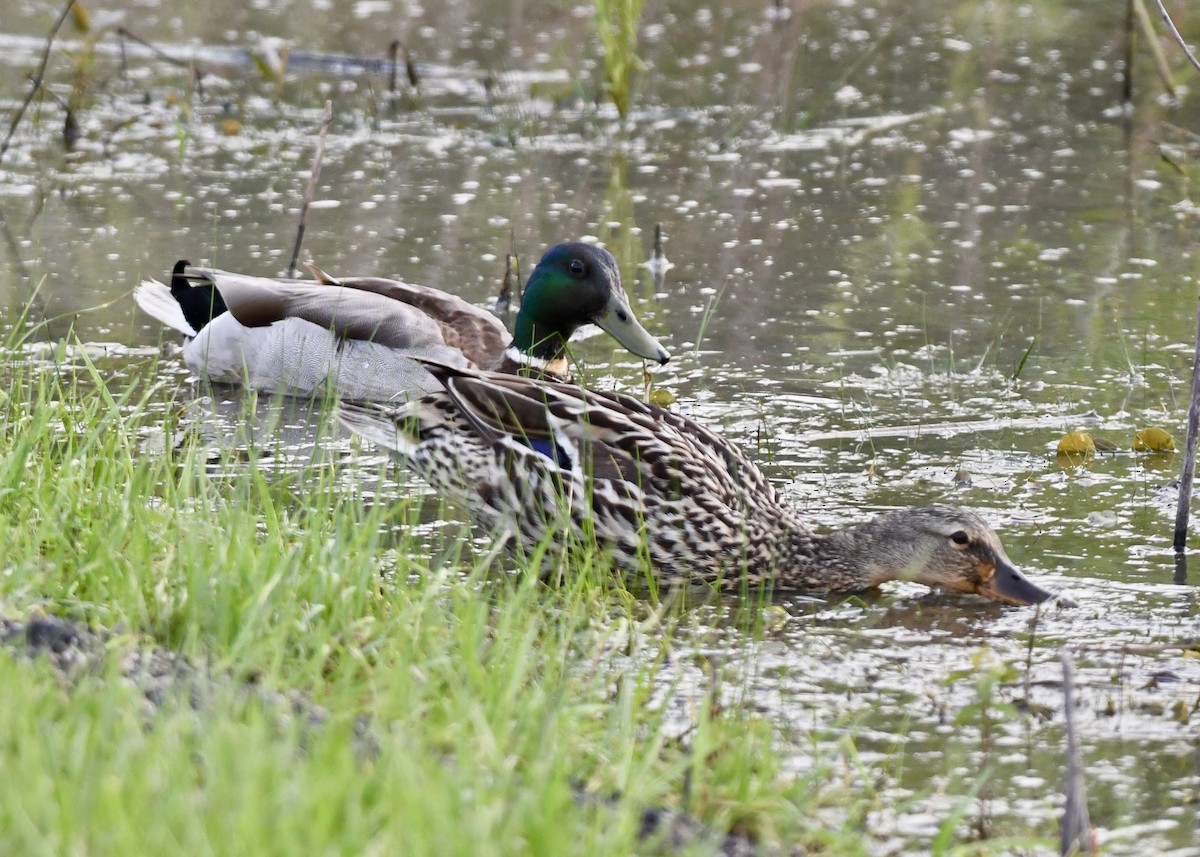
[541, 460]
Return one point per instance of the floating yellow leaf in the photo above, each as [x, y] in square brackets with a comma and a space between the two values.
[1153, 440]
[230, 127]
[1076, 443]
[662, 397]
[775, 617]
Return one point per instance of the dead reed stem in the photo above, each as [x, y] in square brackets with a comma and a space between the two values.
[312, 187]
[38, 77]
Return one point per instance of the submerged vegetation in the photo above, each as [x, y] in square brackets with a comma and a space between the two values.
[617, 27]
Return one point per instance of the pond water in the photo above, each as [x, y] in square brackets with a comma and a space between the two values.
[913, 244]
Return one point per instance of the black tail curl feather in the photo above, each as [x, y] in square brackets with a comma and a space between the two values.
[200, 303]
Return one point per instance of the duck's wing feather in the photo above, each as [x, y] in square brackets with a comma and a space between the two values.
[723, 459]
[611, 435]
[480, 334]
[366, 309]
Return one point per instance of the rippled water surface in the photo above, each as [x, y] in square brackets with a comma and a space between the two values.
[913, 244]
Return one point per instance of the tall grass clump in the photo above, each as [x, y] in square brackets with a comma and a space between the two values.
[617, 26]
[313, 677]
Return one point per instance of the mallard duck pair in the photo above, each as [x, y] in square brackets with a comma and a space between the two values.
[539, 459]
[547, 462]
[358, 335]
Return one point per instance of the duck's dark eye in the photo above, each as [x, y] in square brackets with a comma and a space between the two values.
[960, 538]
[576, 267]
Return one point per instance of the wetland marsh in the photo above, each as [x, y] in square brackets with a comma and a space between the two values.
[912, 245]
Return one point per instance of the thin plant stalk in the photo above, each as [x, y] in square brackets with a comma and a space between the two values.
[38, 77]
[1127, 74]
[312, 187]
[1076, 825]
[1178, 38]
[393, 55]
[1183, 508]
[1160, 59]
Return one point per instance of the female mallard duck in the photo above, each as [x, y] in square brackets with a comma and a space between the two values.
[360, 334]
[541, 460]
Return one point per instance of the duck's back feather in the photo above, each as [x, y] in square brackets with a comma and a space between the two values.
[479, 334]
[621, 437]
[390, 313]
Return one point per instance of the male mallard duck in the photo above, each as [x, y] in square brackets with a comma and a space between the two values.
[542, 460]
[360, 333]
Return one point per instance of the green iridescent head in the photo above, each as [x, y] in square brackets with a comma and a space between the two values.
[576, 284]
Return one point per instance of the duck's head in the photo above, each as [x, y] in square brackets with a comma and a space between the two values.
[951, 548]
[576, 284]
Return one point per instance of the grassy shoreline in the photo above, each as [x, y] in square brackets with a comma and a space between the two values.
[460, 710]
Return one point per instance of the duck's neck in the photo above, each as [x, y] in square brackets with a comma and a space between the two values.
[518, 362]
[847, 560]
[537, 348]
[538, 330]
